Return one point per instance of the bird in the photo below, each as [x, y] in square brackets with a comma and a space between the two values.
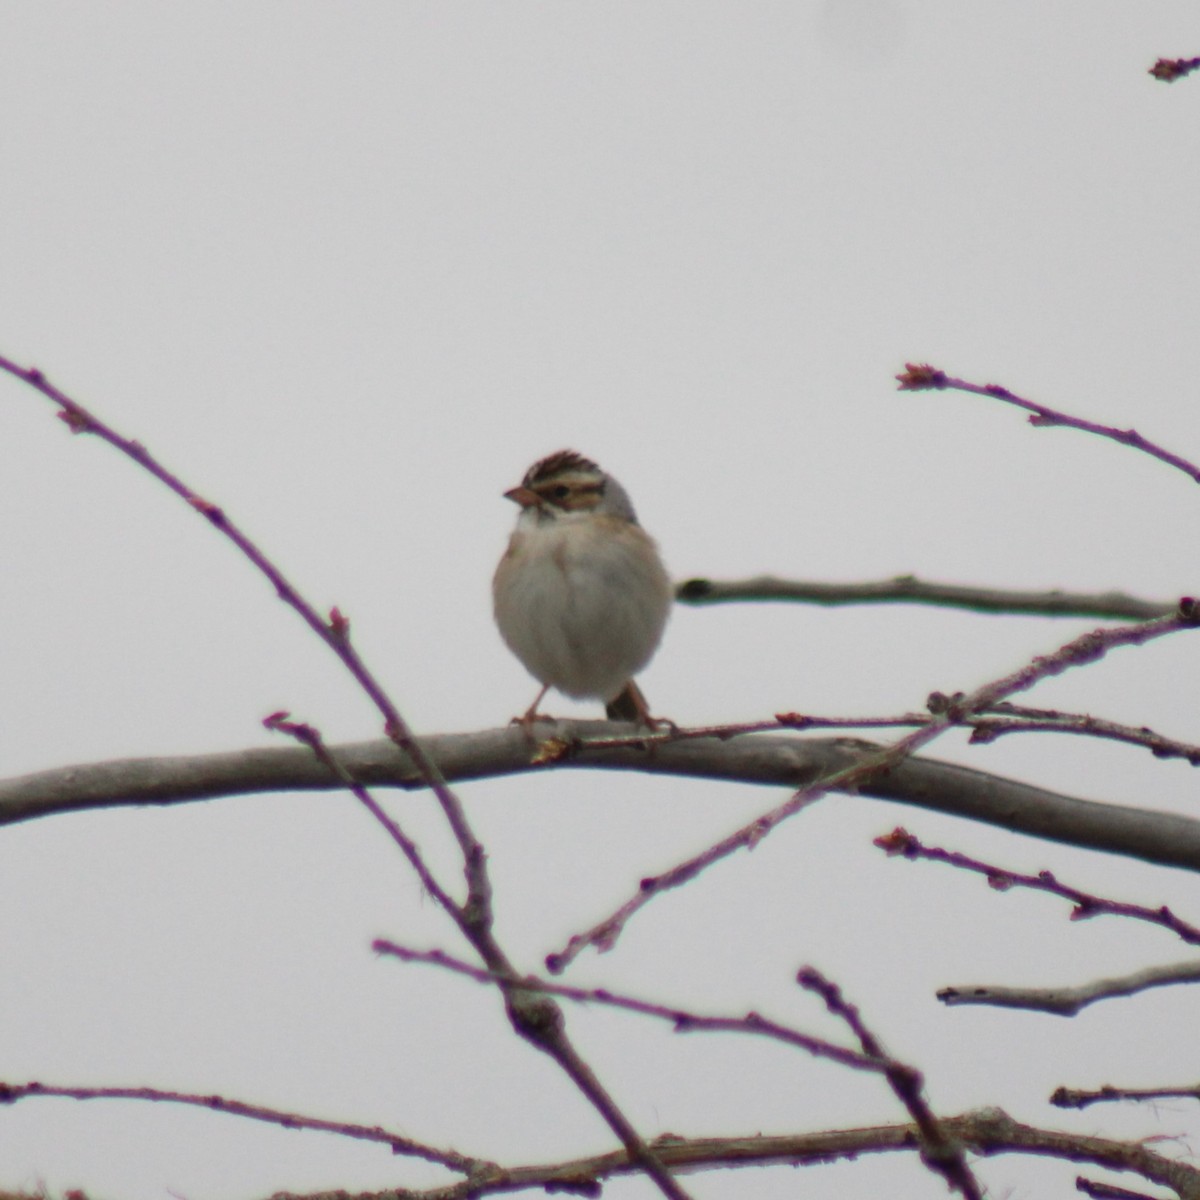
[581, 595]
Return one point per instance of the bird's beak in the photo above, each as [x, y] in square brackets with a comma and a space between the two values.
[525, 497]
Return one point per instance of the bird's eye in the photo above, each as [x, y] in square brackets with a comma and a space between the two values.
[561, 492]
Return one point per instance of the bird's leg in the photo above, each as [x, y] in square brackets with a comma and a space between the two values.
[531, 714]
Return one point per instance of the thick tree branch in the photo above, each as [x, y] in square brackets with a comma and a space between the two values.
[986, 1132]
[780, 760]
[908, 589]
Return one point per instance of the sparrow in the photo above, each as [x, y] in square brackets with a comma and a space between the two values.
[581, 596]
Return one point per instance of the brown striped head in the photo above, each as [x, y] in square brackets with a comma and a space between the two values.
[566, 482]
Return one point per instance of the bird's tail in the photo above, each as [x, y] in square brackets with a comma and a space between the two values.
[629, 705]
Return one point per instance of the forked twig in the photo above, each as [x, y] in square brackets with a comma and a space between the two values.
[947, 711]
[901, 843]
[923, 377]
[534, 1018]
[941, 1153]
[682, 1020]
[1015, 718]
[1002, 719]
[334, 631]
[988, 1131]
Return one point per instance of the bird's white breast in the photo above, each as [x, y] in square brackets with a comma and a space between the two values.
[582, 601]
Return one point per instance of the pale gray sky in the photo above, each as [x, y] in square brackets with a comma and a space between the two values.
[349, 268]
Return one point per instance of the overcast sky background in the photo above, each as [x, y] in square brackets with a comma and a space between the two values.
[349, 268]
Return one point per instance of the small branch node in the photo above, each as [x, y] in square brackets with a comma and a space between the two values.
[76, 422]
[918, 377]
[339, 624]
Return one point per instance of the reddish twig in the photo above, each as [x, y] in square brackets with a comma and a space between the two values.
[682, 1020]
[334, 631]
[1014, 718]
[947, 711]
[534, 1018]
[1171, 69]
[992, 723]
[917, 378]
[1005, 718]
[901, 843]
[10, 1093]
[308, 735]
[942, 1154]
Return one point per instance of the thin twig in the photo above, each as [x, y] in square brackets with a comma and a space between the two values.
[308, 735]
[941, 1153]
[901, 843]
[1098, 1190]
[535, 1018]
[923, 377]
[908, 589]
[999, 720]
[1015, 718]
[947, 712]
[1067, 1001]
[334, 631]
[1171, 69]
[682, 1020]
[10, 1093]
[1076, 1098]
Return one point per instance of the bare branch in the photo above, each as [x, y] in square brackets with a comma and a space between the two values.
[1002, 719]
[537, 1019]
[682, 1020]
[1015, 718]
[11, 1093]
[780, 760]
[902, 843]
[1067, 1001]
[941, 1154]
[947, 711]
[916, 378]
[308, 735]
[334, 631]
[986, 1132]
[908, 589]
[1070, 1098]
[1107, 1191]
